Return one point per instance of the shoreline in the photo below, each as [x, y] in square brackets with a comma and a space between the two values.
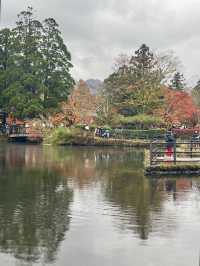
[95, 141]
[91, 141]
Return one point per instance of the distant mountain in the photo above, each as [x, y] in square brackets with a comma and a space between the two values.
[95, 85]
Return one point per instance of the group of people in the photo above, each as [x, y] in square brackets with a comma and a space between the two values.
[102, 132]
[170, 141]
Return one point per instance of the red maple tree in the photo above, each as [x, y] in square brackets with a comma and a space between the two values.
[180, 108]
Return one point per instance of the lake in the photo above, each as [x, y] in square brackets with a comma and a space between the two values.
[80, 206]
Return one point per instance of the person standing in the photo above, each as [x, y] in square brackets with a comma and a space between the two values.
[195, 140]
[170, 140]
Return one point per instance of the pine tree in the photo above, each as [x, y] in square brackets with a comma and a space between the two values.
[178, 81]
[143, 61]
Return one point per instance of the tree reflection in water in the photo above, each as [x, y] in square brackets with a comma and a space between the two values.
[140, 199]
[35, 196]
[135, 195]
[34, 210]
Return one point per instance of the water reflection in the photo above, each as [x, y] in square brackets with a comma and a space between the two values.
[34, 207]
[56, 203]
[142, 201]
[135, 195]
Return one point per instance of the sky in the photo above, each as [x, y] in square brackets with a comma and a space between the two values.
[97, 31]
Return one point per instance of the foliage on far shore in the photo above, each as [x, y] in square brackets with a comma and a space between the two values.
[144, 92]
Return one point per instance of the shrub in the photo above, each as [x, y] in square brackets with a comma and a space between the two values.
[67, 136]
[61, 135]
[142, 121]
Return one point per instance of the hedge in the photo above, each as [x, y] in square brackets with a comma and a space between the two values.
[141, 122]
[137, 134]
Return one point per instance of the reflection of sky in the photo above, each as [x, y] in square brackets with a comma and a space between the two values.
[96, 239]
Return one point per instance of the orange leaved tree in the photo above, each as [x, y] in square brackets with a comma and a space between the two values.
[80, 107]
[180, 108]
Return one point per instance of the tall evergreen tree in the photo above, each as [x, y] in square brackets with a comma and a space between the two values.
[178, 81]
[56, 65]
[6, 59]
[143, 62]
[34, 66]
[28, 34]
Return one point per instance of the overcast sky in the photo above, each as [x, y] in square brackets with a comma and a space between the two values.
[96, 31]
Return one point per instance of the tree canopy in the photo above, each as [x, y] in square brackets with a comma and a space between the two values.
[80, 108]
[135, 86]
[180, 108]
[34, 66]
[149, 84]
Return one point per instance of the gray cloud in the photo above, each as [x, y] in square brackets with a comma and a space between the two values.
[97, 31]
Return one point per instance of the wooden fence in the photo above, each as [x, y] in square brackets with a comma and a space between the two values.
[182, 152]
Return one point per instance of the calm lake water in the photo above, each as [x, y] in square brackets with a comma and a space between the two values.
[94, 207]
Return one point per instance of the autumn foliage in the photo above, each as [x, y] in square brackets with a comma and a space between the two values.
[80, 107]
[180, 108]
